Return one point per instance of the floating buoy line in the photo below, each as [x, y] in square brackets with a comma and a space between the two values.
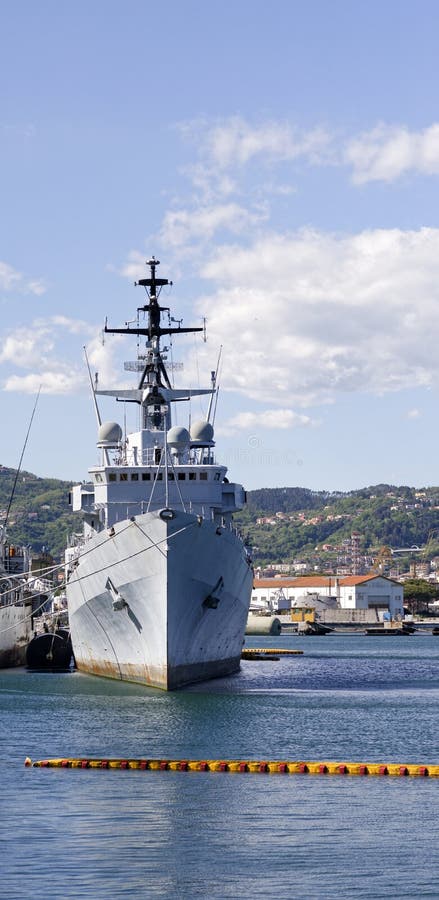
[250, 652]
[271, 767]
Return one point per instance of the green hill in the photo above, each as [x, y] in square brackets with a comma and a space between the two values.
[281, 525]
[40, 516]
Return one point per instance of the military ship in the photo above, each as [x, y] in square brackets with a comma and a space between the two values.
[21, 599]
[159, 582]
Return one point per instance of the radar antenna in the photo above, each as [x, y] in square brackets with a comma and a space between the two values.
[153, 286]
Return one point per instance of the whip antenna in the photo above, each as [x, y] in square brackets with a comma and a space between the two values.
[21, 458]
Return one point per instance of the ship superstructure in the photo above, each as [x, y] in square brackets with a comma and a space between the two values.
[159, 583]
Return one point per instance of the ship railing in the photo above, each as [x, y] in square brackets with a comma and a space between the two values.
[50, 620]
[152, 456]
[16, 563]
[42, 585]
[13, 599]
[8, 593]
[15, 592]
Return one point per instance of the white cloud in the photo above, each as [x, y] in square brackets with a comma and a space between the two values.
[50, 381]
[413, 414]
[36, 287]
[12, 280]
[236, 142]
[51, 351]
[181, 227]
[73, 326]
[274, 419]
[227, 149]
[242, 169]
[51, 359]
[387, 152]
[9, 277]
[134, 268]
[31, 346]
[103, 357]
[26, 347]
[305, 316]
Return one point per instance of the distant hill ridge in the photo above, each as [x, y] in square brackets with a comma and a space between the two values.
[290, 525]
[383, 514]
[288, 499]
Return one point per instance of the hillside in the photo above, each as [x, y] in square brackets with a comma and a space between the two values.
[282, 525]
[40, 516]
[293, 525]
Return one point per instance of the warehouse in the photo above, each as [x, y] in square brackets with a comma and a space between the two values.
[366, 592]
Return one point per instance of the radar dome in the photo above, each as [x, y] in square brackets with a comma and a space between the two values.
[178, 437]
[109, 434]
[202, 431]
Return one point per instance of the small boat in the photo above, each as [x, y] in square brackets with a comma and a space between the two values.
[401, 628]
[50, 650]
[313, 629]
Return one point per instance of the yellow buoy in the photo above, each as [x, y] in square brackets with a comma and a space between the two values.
[284, 767]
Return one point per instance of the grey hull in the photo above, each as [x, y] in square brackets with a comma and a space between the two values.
[162, 602]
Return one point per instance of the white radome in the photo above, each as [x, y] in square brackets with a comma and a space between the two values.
[109, 434]
[202, 431]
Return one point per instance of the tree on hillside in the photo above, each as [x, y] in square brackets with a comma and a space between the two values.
[418, 594]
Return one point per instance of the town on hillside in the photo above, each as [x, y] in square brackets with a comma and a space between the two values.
[293, 535]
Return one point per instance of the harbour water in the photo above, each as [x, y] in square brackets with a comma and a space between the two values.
[131, 834]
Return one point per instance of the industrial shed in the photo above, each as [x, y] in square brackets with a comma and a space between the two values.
[376, 593]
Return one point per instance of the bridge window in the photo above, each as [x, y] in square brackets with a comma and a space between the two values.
[192, 476]
[123, 476]
[203, 476]
[134, 476]
[112, 476]
[146, 476]
[182, 476]
[171, 476]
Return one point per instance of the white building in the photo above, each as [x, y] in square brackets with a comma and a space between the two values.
[372, 592]
[365, 592]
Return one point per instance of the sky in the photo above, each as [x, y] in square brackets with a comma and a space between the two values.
[282, 162]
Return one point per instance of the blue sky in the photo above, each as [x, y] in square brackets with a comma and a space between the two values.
[282, 161]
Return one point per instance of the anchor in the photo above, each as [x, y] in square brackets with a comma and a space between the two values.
[118, 600]
[211, 601]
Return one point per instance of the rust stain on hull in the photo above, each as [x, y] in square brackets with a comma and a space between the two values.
[167, 679]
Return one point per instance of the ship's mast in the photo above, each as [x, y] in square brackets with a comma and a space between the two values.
[154, 331]
[154, 378]
[153, 287]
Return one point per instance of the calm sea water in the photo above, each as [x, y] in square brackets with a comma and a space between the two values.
[127, 834]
